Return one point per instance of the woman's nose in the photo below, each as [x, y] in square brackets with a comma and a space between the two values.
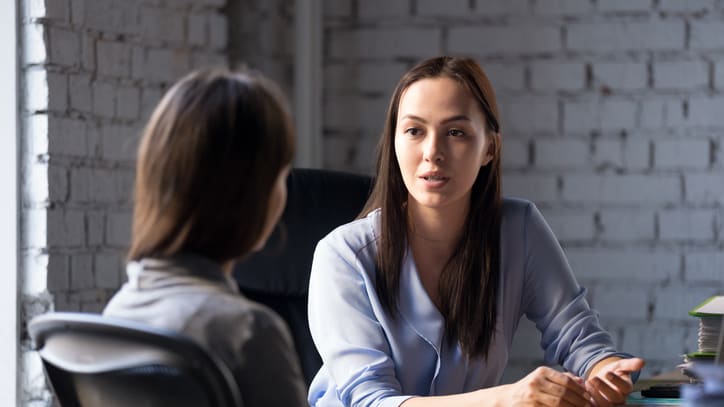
[433, 149]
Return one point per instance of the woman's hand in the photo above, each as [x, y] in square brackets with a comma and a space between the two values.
[610, 380]
[547, 387]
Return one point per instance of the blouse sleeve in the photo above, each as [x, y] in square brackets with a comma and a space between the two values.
[347, 333]
[571, 334]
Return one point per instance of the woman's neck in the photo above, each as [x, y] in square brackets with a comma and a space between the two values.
[433, 234]
[436, 227]
[227, 267]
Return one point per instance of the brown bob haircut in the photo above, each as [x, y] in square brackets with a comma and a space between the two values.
[207, 163]
[468, 284]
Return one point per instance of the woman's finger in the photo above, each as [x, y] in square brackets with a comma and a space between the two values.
[623, 385]
[597, 396]
[610, 393]
[554, 401]
[629, 365]
[566, 387]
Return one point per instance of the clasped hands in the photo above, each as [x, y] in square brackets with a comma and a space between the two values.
[608, 384]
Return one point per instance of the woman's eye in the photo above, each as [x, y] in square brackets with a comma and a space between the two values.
[413, 131]
[455, 133]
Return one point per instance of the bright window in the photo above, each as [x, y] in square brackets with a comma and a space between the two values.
[8, 203]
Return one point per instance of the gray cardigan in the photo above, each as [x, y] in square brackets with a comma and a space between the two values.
[191, 295]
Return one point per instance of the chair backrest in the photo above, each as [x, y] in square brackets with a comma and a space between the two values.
[91, 360]
[278, 276]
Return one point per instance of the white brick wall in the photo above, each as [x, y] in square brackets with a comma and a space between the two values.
[374, 9]
[661, 113]
[686, 224]
[506, 77]
[379, 78]
[571, 225]
[614, 36]
[516, 153]
[534, 186]
[261, 35]
[606, 115]
[436, 8]
[548, 153]
[93, 70]
[681, 75]
[621, 189]
[626, 225]
[491, 8]
[675, 6]
[612, 123]
[624, 266]
[704, 188]
[621, 75]
[707, 35]
[562, 7]
[558, 76]
[706, 111]
[689, 154]
[612, 114]
[719, 75]
[532, 114]
[645, 341]
[703, 266]
[484, 40]
[385, 43]
[633, 310]
[671, 303]
[620, 6]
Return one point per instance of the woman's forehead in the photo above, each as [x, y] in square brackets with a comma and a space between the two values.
[436, 97]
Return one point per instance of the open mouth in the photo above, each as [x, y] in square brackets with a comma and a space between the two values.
[434, 178]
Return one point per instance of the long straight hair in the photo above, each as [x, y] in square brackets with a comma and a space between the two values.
[468, 285]
[207, 165]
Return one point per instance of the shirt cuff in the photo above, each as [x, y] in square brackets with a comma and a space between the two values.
[634, 375]
[394, 401]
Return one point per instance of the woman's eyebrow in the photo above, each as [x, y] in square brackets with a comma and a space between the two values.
[456, 118]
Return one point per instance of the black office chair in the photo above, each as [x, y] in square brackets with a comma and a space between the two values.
[278, 276]
[91, 360]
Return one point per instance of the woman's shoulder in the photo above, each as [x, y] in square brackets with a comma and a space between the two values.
[517, 208]
[357, 234]
[251, 318]
[519, 215]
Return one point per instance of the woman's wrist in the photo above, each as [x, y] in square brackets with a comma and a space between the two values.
[600, 364]
[491, 396]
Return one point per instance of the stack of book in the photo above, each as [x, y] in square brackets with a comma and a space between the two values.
[710, 314]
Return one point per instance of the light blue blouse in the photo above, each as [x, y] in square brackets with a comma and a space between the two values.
[371, 359]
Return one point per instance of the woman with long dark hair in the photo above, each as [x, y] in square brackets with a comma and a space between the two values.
[416, 302]
[210, 187]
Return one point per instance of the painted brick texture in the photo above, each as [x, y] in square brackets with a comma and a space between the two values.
[612, 125]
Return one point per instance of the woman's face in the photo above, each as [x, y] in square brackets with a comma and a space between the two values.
[277, 201]
[440, 143]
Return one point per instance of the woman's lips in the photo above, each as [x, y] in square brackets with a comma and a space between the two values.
[433, 180]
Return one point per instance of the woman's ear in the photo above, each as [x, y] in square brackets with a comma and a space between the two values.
[490, 150]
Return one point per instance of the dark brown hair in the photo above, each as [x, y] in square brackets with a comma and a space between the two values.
[207, 163]
[468, 285]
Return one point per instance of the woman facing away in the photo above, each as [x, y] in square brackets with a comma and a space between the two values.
[210, 187]
[416, 302]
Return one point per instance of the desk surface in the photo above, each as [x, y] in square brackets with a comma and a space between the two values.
[634, 400]
[669, 377]
[675, 376]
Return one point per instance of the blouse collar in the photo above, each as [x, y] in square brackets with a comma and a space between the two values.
[154, 271]
[417, 308]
